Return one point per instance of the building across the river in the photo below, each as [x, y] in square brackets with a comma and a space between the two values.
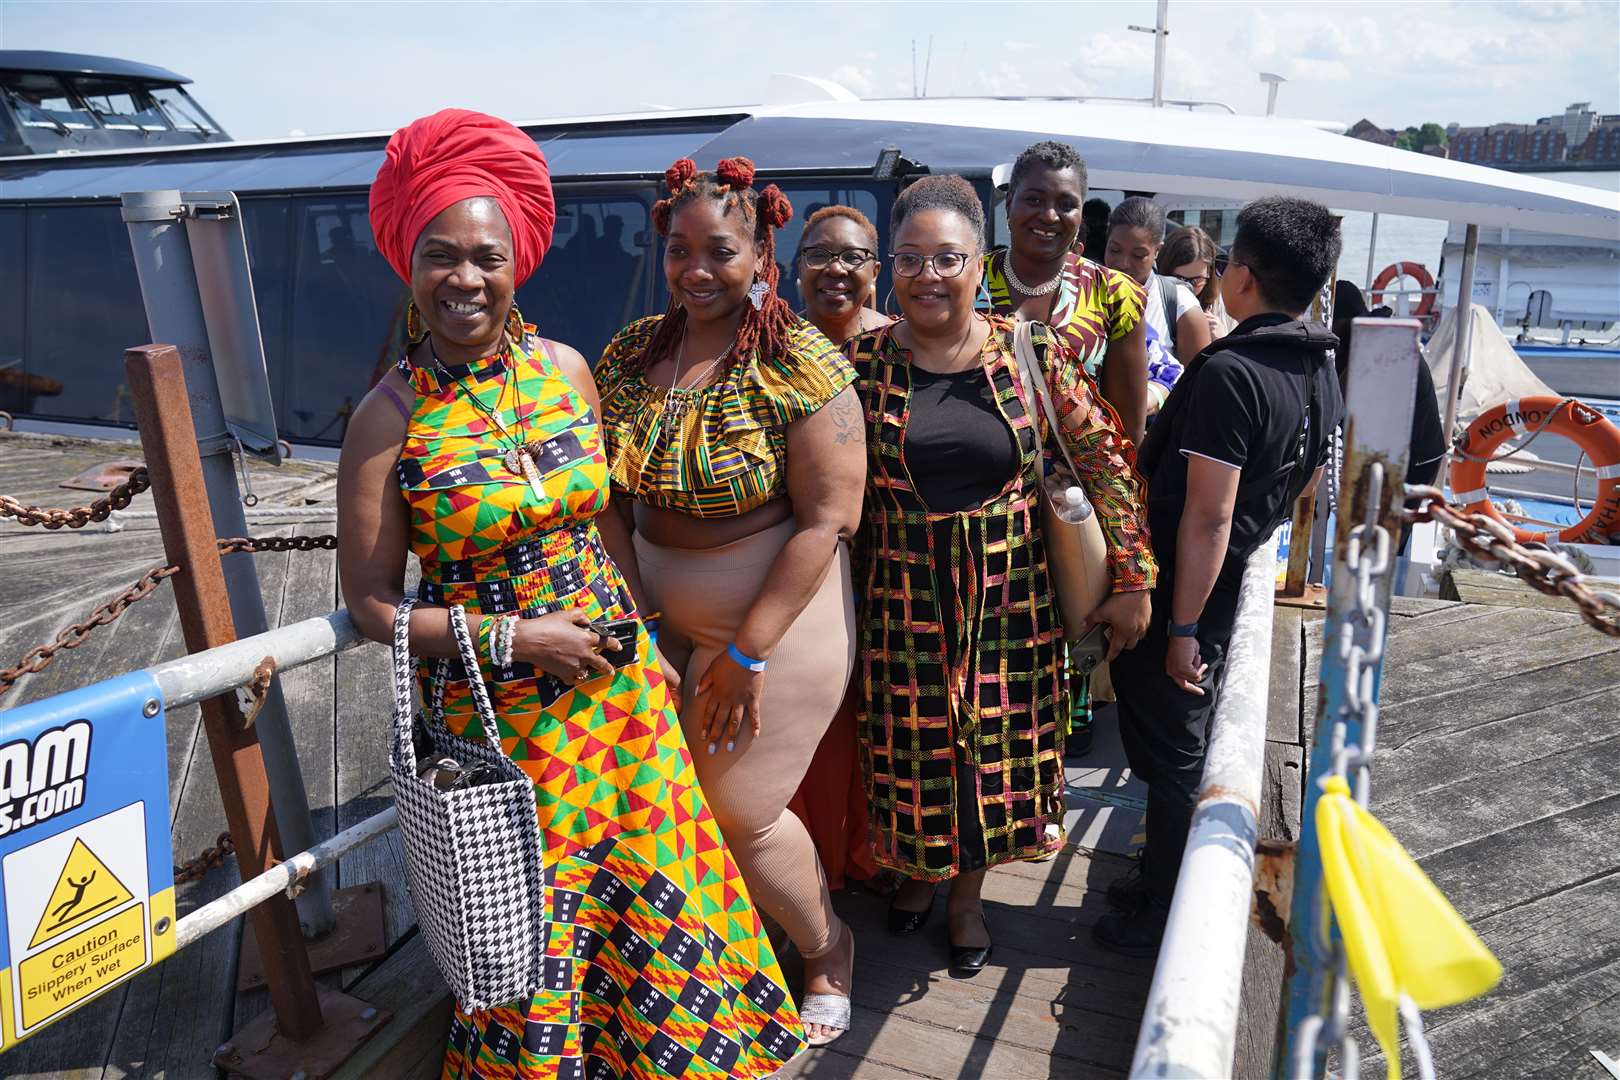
[1580, 138]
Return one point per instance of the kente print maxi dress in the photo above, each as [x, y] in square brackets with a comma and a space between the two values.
[656, 962]
[962, 684]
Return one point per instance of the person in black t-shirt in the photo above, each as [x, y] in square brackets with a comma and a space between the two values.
[1428, 441]
[1244, 433]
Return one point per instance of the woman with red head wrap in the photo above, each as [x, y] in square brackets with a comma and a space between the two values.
[737, 458]
[480, 454]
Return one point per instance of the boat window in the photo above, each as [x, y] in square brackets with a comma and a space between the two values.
[16, 396]
[120, 105]
[184, 113]
[84, 310]
[42, 101]
[344, 303]
[595, 278]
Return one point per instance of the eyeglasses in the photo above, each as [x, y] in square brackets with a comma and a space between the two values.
[1196, 282]
[946, 264]
[851, 259]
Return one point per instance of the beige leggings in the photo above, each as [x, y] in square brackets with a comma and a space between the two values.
[703, 597]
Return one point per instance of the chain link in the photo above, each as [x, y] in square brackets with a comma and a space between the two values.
[80, 516]
[1545, 571]
[71, 637]
[210, 857]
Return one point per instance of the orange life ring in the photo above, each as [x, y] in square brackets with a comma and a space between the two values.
[1581, 424]
[1418, 272]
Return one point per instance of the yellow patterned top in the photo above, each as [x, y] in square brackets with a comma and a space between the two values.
[1094, 305]
[721, 450]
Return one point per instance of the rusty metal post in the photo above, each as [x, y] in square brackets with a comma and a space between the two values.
[163, 414]
[1299, 547]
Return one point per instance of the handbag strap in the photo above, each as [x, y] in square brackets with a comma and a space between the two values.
[1035, 383]
[403, 751]
[475, 680]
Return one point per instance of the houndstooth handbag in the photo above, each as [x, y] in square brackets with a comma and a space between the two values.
[472, 854]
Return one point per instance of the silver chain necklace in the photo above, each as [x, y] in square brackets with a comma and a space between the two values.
[1045, 288]
[678, 398]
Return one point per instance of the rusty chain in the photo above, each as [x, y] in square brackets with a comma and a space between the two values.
[74, 635]
[77, 518]
[1545, 571]
[210, 857]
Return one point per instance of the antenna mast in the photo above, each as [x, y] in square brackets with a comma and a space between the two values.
[1160, 33]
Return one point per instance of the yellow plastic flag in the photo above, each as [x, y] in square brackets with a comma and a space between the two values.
[1401, 935]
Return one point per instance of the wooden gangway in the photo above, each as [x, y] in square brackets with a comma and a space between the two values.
[1499, 767]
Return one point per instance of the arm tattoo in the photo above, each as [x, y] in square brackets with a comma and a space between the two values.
[846, 417]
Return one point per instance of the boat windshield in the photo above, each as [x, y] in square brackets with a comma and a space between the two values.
[42, 101]
[184, 113]
[120, 105]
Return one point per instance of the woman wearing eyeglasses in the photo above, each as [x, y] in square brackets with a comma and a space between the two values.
[837, 275]
[1095, 313]
[960, 666]
[838, 269]
[1191, 255]
[1177, 330]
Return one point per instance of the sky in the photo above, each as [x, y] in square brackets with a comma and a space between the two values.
[268, 69]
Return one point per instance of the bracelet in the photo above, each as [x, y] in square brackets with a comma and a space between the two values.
[505, 638]
[486, 638]
[744, 661]
[1183, 629]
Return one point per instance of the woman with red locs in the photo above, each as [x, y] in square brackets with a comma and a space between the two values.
[737, 454]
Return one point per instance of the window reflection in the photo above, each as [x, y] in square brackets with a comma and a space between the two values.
[42, 101]
[594, 280]
[85, 309]
[343, 306]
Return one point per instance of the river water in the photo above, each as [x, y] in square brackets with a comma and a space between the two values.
[1419, 239]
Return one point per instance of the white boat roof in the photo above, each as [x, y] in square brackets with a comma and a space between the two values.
[1169, 151]
[1210, 155]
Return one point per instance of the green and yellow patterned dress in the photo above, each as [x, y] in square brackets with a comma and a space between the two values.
[656, 963]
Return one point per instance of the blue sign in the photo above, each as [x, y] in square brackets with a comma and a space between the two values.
[86, 868]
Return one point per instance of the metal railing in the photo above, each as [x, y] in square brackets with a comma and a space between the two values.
[1189, 1026]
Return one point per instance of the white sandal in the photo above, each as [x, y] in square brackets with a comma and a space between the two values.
[829, 1010]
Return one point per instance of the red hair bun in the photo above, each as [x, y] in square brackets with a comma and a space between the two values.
[774, 207]
[736, 172]
[680, 174]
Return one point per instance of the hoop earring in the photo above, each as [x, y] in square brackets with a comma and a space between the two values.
[414, 330]
[989, 302]
[888, 302]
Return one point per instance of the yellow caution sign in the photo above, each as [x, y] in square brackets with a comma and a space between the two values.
[81, 966]
[85, 889]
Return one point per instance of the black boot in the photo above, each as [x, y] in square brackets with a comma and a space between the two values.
[1128, 891]
[1134, 933]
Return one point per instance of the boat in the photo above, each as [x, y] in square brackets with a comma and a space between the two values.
[67, 103]
[329, 306]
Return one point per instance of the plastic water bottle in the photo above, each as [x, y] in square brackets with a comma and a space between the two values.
[1068, 499]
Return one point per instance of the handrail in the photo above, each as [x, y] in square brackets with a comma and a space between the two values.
[190, 679]
[285, 876]
[1189, 1027]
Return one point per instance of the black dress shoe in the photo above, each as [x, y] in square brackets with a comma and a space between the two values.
[972, 957]
[903, 922]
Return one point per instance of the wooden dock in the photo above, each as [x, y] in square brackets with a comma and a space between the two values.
[1499, 767]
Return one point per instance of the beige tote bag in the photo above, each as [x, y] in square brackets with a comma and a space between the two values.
[1076, 553]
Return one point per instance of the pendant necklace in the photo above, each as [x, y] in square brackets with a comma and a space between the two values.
[519, 456]
[1045, 288]
[677, 399]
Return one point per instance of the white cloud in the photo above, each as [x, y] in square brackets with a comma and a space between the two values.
[1546, 10]
[859, 80]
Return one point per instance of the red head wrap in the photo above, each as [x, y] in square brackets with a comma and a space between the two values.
[457, 154]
